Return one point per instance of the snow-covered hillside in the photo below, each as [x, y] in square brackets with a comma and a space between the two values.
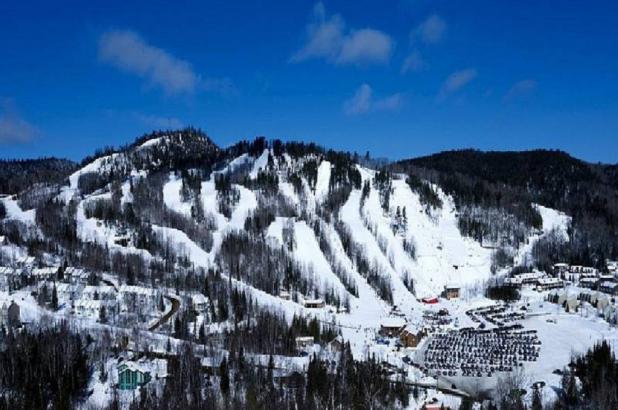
[389, 255]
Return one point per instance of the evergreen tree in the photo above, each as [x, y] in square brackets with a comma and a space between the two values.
[54, 299]
[537, 400]
[102, 314]
[224, 377]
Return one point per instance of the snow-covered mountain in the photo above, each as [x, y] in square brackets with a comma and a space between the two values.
[271, 252]
[273, 217]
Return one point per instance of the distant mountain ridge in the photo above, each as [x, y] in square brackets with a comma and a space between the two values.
[17, 175]
[586, 191]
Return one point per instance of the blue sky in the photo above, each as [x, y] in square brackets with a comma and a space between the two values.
[401, 78]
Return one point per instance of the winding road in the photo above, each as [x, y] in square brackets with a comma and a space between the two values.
[166, 317]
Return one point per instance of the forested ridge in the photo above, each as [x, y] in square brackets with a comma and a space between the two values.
[20, 174]
[513, 181]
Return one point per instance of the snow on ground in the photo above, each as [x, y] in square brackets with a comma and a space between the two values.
[201, 258]
[562, 335]
[443, 255]
[97, 231]
[553, 220]
[368, 308]
[127, 195]
[98, 165]
[260, 163]
[307, 251]
[275, 229]
[246, 203]
[350, 215]
[288, 191]
[323, 180]
[14, 211]
[234, 164]
[151, 142]
[172, 198]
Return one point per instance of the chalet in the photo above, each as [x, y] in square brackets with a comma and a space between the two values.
[549, 283]
[131, 376]
[411, 337]
[47, 273]
[451, 291]
[64, 291]
[285, 295]
[199, 302]
[25, 261]
[513, 282]
[581, 269]
[76, 275]
[10, 278]
[588, 283]
[560, 268]
[392, 326]
[336, 345]
[527, 278]
[607, 278]
[304, 342]
[140, 294]
[430, 300]
[612, 266]
[588, 275]
[91, 308]
[610, 288]
[586, 296]
[314, 303]
[98, 292]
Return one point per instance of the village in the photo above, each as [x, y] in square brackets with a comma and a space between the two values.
[459, 349]
[454, 345]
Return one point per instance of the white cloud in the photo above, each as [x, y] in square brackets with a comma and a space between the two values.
[13, 128]
[363, 102]
[364, 47]
[520, 89]
[328, 38]
[360, 102]
[456, 81]
[413, 62]
[128, 51]
[324, 37]
[432, 30]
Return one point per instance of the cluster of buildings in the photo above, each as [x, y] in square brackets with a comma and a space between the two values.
[563, 273]
[408, 335]
[590, 278]
[571, 299]
[25, 272]
[538, 280]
